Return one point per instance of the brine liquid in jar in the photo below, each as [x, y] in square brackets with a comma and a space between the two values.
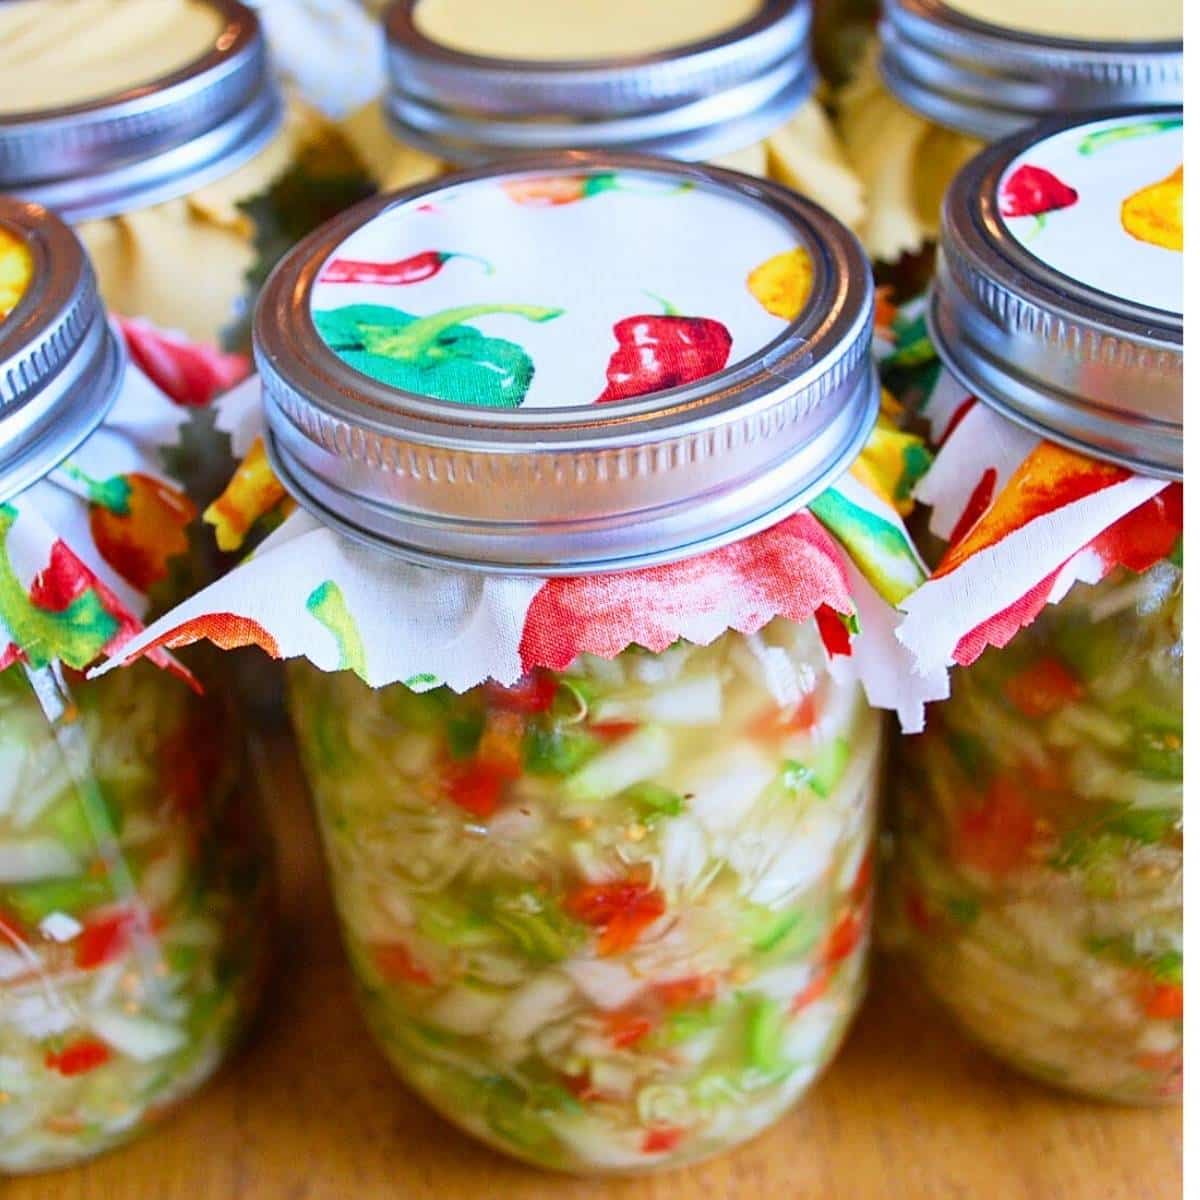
[607, 919]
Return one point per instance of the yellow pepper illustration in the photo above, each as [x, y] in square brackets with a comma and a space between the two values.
[783, 283]
[1154, 213]
[16, 270]
[892, 461]
[252, 492]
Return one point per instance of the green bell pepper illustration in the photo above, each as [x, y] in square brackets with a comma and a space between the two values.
[438, 355]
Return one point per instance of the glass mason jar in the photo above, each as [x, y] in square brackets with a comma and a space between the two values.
[1037, 875]
[133, 906]
[610, 917]
[728, 82]
[948, 76]
[134, 889]
[614, 916]
[156, 129]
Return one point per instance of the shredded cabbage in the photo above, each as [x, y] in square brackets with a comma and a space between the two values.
[1038, 873]
[620, 885]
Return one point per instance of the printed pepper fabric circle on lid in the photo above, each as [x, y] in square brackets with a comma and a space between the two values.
[577, 362]
[1102, 204]
[545, 291]
[16, 270]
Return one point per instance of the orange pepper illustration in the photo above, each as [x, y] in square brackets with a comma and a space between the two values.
[252, 492]
[1154, 213]
[139, 523]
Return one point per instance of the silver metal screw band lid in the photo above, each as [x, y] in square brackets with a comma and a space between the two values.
[989, 81]
[695, 102]
[1058, 294]
[152, 142]
[60, 363]
[568, 364]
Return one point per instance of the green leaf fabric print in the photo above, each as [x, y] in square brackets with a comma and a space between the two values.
[63, 616]
[878, 548]
[328, 605]
[439, 355]
[1122, 133]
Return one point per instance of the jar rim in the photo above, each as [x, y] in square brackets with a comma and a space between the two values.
[154, 142]
[989, 81]
[61, 364]
[695, 101]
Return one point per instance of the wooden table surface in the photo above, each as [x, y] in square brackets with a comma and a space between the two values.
[310, 1111]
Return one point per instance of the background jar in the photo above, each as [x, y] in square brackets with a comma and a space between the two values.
[729, 82]
[134, 881]
[612, 917]
[945, 77]
[155, 128]
[1037, 878]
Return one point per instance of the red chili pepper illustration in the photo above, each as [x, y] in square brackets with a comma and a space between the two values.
[189, 374]
[402, 271]
[659, 351]
[1031, 191]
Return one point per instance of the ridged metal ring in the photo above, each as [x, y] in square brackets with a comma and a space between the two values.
[61, 365]
[153, 142]
[988, 82]
[582, 488]
[1077, 365]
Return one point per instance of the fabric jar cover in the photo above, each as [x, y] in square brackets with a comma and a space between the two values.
[839, 554]
[83, 545]
[1096, 206]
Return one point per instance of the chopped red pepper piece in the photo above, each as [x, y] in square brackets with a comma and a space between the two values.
[860, 889]
[625, 1029]
[612, 731]
[105, 937]
[81, 1056]
[817, 987]
[478, 785]
[1043, 687]
[835, 636]
[845, 936]
[662, 1138]
[622, 911]
[998, 836]
[776, 722]
[395, 962]
[532, 693]
[1162, 1001]
[679, 993]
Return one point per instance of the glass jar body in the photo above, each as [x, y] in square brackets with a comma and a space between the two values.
[610, 919]
[135, 896]
[1037, 879]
